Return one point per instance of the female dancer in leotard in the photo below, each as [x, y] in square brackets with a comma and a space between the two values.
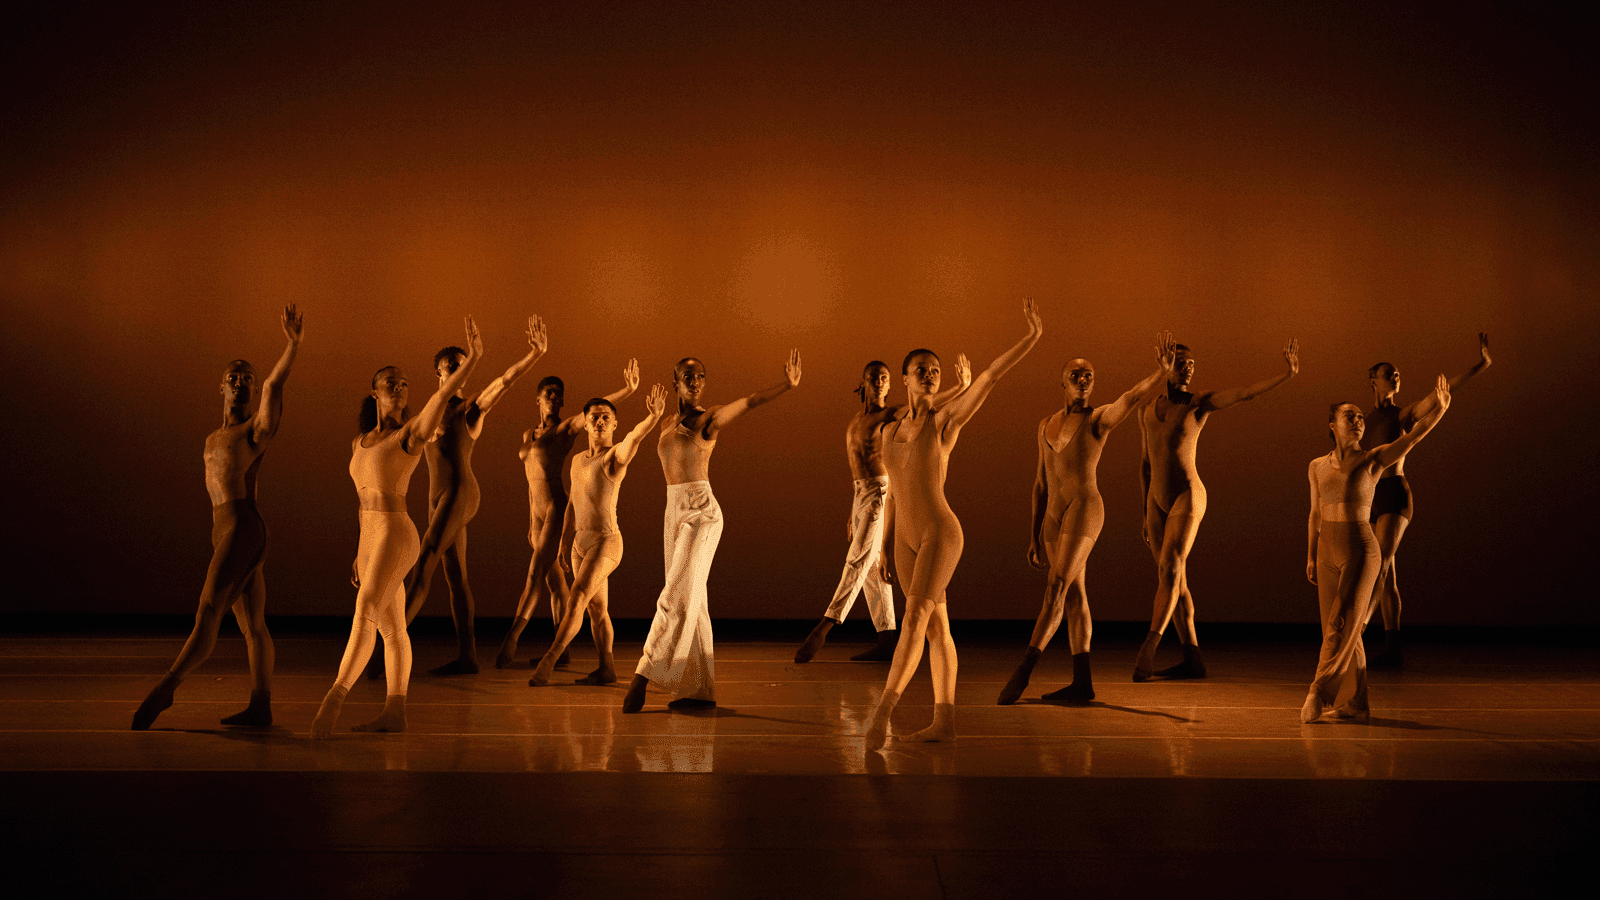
[382, 458]
[238, 536]
[1342, 556]
[453, 495]
[924, 532]
[1391, 500]
[544, 450]
[591, 542]
[1068, 514]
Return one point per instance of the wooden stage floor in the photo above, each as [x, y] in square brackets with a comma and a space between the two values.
[1478, 775]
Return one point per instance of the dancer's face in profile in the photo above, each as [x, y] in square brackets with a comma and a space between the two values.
[448, 366]
[390, 389]
[600, 421]
[1182, 368]
[1348, 424]
[876, 382]
[238, 383]
[922, 375]
[690, 380]
[1077, 376]
[1387, 381]
[550, 400]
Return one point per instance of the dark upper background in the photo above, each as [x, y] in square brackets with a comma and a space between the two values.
[732, 180]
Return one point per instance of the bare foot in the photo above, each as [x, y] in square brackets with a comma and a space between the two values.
[1072, 695]
[327, 714]
[877, 733]
[1144, 665]
[943, 728]
[814, 640]
[1312, 711]
[392, 719]
[883, 650]
[257, 715]
[159, 698]
[634, 701]
[459, 666]
[606, 674]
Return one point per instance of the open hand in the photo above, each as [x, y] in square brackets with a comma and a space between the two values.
[1030, 311]
[1441, 392]
[791, 369]
[964, 370]
[1166, 352]
[630, 375]
[1291, 355]
[537, 338]
[474, 340]
[294, 325]
[656, 402]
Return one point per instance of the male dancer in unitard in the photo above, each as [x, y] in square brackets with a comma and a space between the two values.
[238, 535]
[1068, 514]
[1391, 501]
[544, 452]
[863, 446]
[453, 495]
[591, 541]
[1175, 499]
[677, 655]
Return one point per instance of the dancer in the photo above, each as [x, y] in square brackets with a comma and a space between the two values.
[1175, 500]
[1068, 514]
[926, 535]
[238, 535]
[677, 654]
[591, 543]
[453, 495]
[863, 446]
[1342, 556]
[382, 458]
[544, 451]
[1391, 500]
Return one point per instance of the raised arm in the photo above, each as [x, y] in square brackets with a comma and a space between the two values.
[723, 416]
[963, 381]
[630, 383]
[961, 409]
[1396, 450]
[270, 412]
[422, 426]
[1313, 523]
[656, 404]
[1166, 357]
[1424, 406]
[538, 343]
[1040, 504]
[1224, 399]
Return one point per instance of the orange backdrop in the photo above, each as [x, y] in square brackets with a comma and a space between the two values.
[731, 181]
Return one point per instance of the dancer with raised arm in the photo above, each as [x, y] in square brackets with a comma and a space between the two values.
[678, 654]
[1342, 556]
[238, 535]
[925, 533]
[453, 494]
[544, 452]
[1175, 500]
[382, 458]
[591, 542]
[1391, 499]
[1068, 515]
[863, 446]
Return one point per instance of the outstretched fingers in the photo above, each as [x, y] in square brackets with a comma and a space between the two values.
[630, 375]
[1441, 391]
[538, 338]
[791, 369]
[1030, 311]
[293, 323]
[1291, 355]
[474, 340]
[656, 403]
